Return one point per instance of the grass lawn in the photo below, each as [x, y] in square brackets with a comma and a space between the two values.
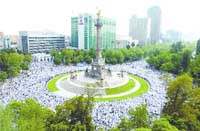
[124, 88]
[144, 88]
[52, 83]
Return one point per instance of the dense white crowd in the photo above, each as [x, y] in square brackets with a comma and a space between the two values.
[33, 84]
[107, 114]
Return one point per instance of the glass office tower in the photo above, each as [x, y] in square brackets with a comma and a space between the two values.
[83, 32]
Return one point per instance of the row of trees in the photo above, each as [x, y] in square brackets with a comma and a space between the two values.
[74, 114]
[12, 62]
[162, 56]
[29, 115]
[175, 59]
[183, 106]
[112, 56]
[140, 120]
[68, 56]
[181, 111]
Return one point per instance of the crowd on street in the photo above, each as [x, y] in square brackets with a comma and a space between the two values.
[33, 84]
[107, 114]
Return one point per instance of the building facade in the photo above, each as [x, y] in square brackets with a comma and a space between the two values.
[40, 42]
[83, 32]
[138, 29]
[154, 14]
[8, 41]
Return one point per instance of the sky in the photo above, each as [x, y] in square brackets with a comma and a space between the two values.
[55, 15]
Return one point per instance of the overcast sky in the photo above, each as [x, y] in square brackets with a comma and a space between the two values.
[16, 15]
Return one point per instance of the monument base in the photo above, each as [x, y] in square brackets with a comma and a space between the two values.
[81, 84]
[97, 70]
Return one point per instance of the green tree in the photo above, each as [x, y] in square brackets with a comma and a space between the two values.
[139, 117]
[4, 61]
[195, 69]
[92, 53]
[57, 59]
[119, 56]
[177, 47]
[75, 60]
[101, 129]
[73, 112]
[136, 53]
[24, 66]
[27, 58]
[191, 111]
[15, 59]
[142, 129]
[68, 55]
[12, 62]
[67, 60]
[116, 129]
[88, 59]
[178, 92]
[125, 124]
[3, 76]
[126, 54]
[29, 115]
[13, 71]
[176, 60]
[53, 53]
[185, 62]
[198, 47]
[169, 67]
[6, 119]
[163, 125]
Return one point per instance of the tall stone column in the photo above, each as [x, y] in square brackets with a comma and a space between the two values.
[98, 38]
[98, 65]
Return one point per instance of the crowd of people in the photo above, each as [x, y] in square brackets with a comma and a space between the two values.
[33, 84]
[107, 114]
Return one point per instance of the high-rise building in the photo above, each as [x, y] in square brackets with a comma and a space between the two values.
[83, 32]
[138, 29]
[40, 42]
[154, 13]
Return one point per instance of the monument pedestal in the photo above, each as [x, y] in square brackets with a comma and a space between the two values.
[97, 70]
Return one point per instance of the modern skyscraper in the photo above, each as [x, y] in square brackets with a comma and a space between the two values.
[83, 32]
[138, 29]
[154, 13]
[41, 42]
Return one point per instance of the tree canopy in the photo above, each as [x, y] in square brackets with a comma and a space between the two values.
[198, 47]
[12, 62]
